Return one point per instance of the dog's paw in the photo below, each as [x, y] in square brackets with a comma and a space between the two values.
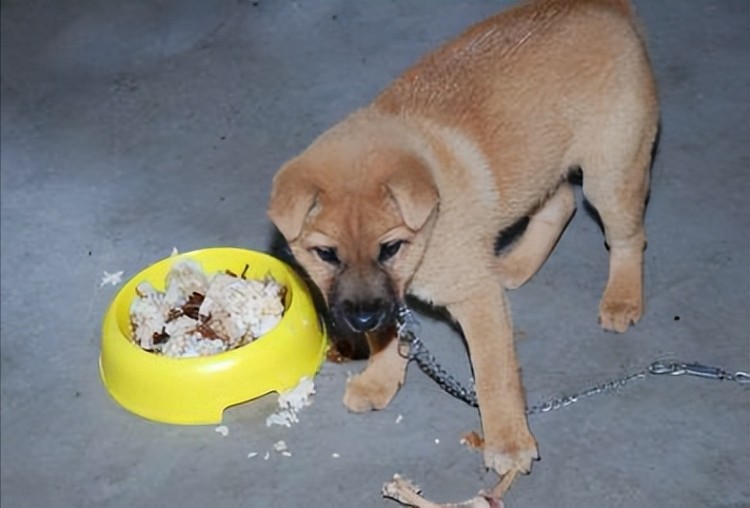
[617, 314]
[515, 459]
[503, 463]
[365, 394]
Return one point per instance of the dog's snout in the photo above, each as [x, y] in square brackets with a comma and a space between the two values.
[364, 316]
[362, 300]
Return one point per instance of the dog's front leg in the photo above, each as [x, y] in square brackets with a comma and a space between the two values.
[378, 383]
[484, 317]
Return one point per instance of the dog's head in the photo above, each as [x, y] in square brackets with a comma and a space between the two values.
[357, 213]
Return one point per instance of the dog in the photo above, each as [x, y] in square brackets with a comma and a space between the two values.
[408, 195]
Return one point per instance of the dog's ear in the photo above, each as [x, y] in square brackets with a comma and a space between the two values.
[415, 194]
[292, 198]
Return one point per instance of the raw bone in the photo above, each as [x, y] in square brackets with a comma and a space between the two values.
[405, 492]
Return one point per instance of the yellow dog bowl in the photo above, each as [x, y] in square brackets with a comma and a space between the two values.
[197, 390]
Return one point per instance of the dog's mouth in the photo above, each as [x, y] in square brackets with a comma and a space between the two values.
[359, 330]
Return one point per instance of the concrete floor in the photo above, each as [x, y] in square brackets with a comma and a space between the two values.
[132, 127]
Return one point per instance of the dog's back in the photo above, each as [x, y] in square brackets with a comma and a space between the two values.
[535, 39]
[545, 78]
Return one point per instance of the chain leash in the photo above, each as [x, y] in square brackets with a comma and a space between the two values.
[411, 347]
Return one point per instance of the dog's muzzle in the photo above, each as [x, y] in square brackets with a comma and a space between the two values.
[362, 300]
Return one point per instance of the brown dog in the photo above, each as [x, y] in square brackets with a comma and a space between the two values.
[409, 194]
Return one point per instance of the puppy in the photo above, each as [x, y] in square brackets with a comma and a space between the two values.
[409, 194]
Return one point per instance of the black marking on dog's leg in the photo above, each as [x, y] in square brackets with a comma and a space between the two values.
[508, 236]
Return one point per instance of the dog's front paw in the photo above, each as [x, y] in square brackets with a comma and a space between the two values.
[618, 312]
[516, 458]
[365, 394]
[503, 463]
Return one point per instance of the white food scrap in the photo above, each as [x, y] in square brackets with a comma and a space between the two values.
[148, 315]
[399, 418]
[185, 277]
[198, 315]
[242, 307]
[111, 278]
[283, 418]
[299, 396]
[252, 455]
[223, 430]
[291, 403]
[280, 446]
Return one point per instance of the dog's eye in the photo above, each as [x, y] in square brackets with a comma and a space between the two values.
[388, 250]
[327, 254]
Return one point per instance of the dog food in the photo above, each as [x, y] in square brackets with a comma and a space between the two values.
[199, 315]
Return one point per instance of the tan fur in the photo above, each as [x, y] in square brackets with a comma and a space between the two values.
[477, 135]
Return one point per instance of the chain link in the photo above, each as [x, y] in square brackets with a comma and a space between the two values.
[412, 348]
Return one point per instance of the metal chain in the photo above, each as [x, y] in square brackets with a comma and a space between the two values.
[412, 348]
[429, 365]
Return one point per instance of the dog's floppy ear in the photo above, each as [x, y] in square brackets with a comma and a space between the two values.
[415, 194]
[292, 198]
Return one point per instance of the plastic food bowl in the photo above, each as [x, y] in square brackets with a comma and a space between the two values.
[195, 391]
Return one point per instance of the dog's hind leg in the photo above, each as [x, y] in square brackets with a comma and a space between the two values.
[378, 383]
[544, 229]
[616, 183]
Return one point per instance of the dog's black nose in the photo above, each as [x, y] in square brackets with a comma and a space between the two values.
[364, 317]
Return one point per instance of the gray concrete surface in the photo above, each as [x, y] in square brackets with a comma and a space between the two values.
[132, 127]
